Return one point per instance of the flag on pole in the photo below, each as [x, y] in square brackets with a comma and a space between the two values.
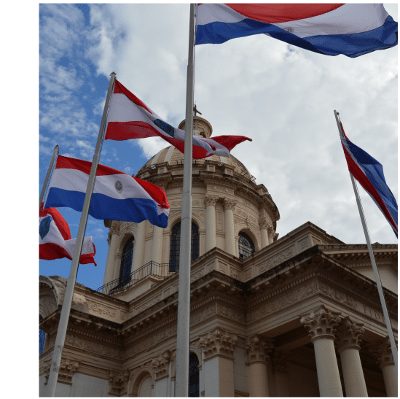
[369, 173]
[330, 29]
[116, 195]
[130, 118]
[55, 240]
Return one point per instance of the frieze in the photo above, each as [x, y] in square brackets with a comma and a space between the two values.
[231, 313]
[101, 310]
[91, 346]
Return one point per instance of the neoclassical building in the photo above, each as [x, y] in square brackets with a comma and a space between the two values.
[297, 315]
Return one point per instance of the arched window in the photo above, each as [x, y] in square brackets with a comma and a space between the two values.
[126, 263]
[246, 246]
[175, 245]
[193, 375]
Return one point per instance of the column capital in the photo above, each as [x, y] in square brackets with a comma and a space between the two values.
[382, 353]
[321, 323]
[210, 200]
[67, 369]
[218, 343]
[160, 365]
[258, 349]
[229, 203]
[349, 334]
[118, 381]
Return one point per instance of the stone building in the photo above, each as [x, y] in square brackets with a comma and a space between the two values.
[297, 315]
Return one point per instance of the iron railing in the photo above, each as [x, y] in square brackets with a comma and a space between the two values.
[151, 268]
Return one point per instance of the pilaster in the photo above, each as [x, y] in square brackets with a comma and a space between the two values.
[229, 205]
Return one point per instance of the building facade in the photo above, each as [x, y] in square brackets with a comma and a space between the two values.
[292, 316]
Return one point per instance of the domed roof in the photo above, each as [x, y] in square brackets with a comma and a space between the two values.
[172, 156]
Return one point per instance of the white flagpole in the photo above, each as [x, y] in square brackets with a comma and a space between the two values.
[372, 257]
[69, 290]
[47, 178]
[183, 323]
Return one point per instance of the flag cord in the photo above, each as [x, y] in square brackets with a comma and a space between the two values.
[69, 289]
[50, 169]
[183, 317]
[372, 258]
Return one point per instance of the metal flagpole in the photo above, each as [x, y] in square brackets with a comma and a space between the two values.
[69, 290]
[47, 178]
[372, 257]
[183, 323]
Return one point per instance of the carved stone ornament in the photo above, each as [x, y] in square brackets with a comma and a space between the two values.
[229, 203]
[349, 335]
[382, 352]
[67, 370]
[258, 349]
[210, 200]
[264, 224]
[218, 343]
[118, 382]
[161, 365]
[321, 323]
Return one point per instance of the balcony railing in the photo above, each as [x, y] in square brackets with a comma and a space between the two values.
[151, 268]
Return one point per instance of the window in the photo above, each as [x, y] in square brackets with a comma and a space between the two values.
[246, 246]
[175, 245]
[193, 375]
[126, 262]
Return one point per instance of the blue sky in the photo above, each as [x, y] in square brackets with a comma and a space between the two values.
[283, 97]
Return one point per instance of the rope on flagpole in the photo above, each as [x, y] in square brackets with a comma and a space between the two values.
[372, 257]
[69, 289]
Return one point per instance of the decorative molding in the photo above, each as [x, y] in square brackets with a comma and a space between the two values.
[67, 370]
[118, 382]
[321, 323]
[218, 343]
[258, 349]
[161, 365]
[349, 334]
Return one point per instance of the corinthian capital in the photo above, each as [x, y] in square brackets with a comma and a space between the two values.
[321, 323]
[210, 200]
[160, 365]
[349, 334]
[218, 343]
[258, 349]
[229, 203]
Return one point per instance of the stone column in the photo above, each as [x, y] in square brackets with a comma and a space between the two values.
[321, 325]
[383, 355]
[161, 373]
[263, 223]
[156, 244]
[211, 227]
[138, 252]
[348, 344]
[113, 240]
[281, 374]
[218, 347]
[229, 226]
[257, 354]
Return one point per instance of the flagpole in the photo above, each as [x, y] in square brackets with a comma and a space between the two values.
[69, 290]
[372, 257]
[183, 322]
[48, 174]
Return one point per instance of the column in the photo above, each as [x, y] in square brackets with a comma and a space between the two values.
[218, 347]
[138, 251]
[161, 373]
[156, 244]
[348, 344]
[211, 227]
[383, 355]
[257, 354]
[263, 223]
[281, 374]
[321, 325]
[113, 240]
[229, 226]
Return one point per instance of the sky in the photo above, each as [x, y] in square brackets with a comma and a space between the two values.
[281, 96]
[54, 79]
